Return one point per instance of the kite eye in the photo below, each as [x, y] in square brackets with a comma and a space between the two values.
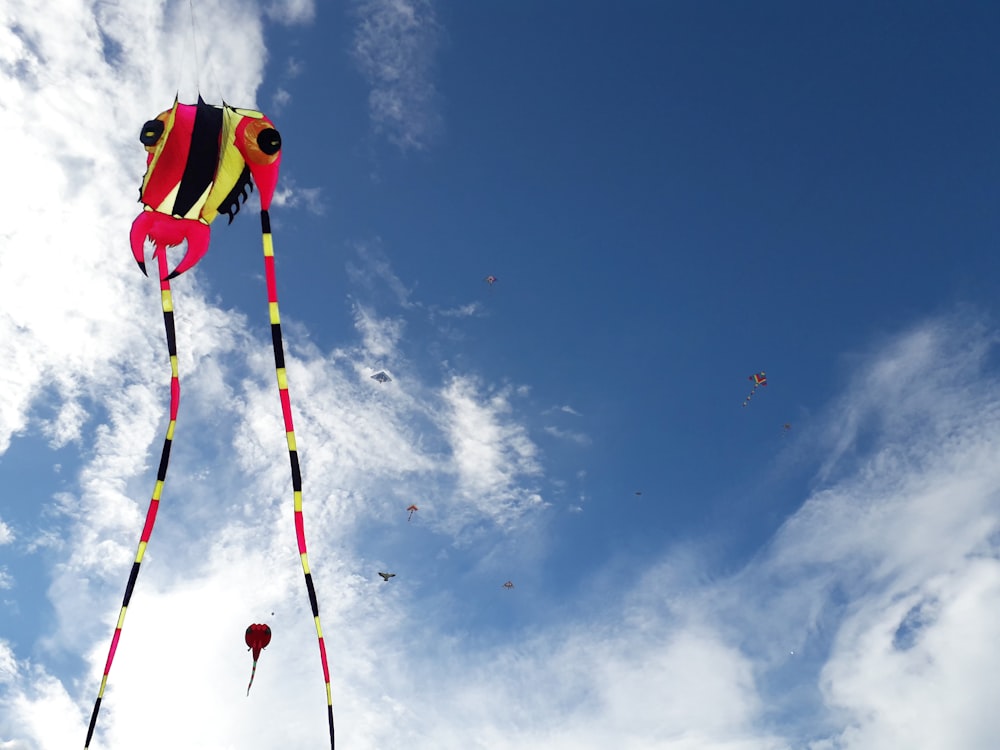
[262, 143]
[269, 141]
[151, 133]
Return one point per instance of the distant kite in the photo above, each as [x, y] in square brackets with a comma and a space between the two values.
[759, 379]
[509, 585]
[786, 427]
[413, 509]
[491, 279]
[257, 637]
[638, 493]
[381, 377]
[387, 576]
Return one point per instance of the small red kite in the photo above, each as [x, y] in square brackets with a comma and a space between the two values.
[257, 638]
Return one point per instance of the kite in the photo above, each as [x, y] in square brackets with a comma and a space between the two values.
[786, 427]
[387, 576]
[491, 279]
[203, 161]
[638, 493]
[381, 377]
[413, 509]
[759, 379]
[257, 638]
[509, 585]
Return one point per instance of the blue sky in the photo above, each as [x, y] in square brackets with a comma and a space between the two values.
[673, 196]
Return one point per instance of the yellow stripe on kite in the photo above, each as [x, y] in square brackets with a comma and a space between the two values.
[104, 683]
[139, 553]
[170, 429]
[268, 245]
[166, 301]
[290, 437]
[319, 629]
[273, 308]
[282, 379]
[173, 367]
[304, 558]
[157, 490]
[121, 618]
[298, 501]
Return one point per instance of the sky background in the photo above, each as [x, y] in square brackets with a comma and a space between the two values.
[673, 196]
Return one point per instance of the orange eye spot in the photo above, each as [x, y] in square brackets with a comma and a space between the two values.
[262, 143]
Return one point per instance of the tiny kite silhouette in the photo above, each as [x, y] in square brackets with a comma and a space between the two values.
[509, 585]
[387, 576]
[257, 637]
[381, 377]
[491, 279]
[413, 509]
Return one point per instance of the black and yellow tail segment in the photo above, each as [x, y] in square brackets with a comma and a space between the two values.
[167, 303]
[293, 455]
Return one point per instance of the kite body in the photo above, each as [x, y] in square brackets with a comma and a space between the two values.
[412, 509]
[202, 161]
[759, 379]
[257, 637]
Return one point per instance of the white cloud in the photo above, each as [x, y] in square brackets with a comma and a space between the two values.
[394, 46]
[291, 11]
[374, 267]
[381, 335]
[280, 99]
[469, 310]
[575, 437]
[491, 453]
[290, 195]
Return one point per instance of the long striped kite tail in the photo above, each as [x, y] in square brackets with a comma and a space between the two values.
[286, 412]
[161, 474]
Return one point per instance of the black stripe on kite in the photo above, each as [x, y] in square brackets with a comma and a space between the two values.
[279, 349]
[203, 157]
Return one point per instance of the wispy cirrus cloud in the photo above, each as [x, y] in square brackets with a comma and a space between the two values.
[394, 47]
[579, 438]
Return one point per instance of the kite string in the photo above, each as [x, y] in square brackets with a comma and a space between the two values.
[194, 43]
[166, 302]
[293, 457]
[212, 79]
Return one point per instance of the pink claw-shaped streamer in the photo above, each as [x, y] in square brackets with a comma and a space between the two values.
[168, 231]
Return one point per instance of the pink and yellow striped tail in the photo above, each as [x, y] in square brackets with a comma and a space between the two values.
[293, 456]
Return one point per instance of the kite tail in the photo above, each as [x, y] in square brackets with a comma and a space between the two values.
[253, 671]
[161, 475]
[286, 412]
